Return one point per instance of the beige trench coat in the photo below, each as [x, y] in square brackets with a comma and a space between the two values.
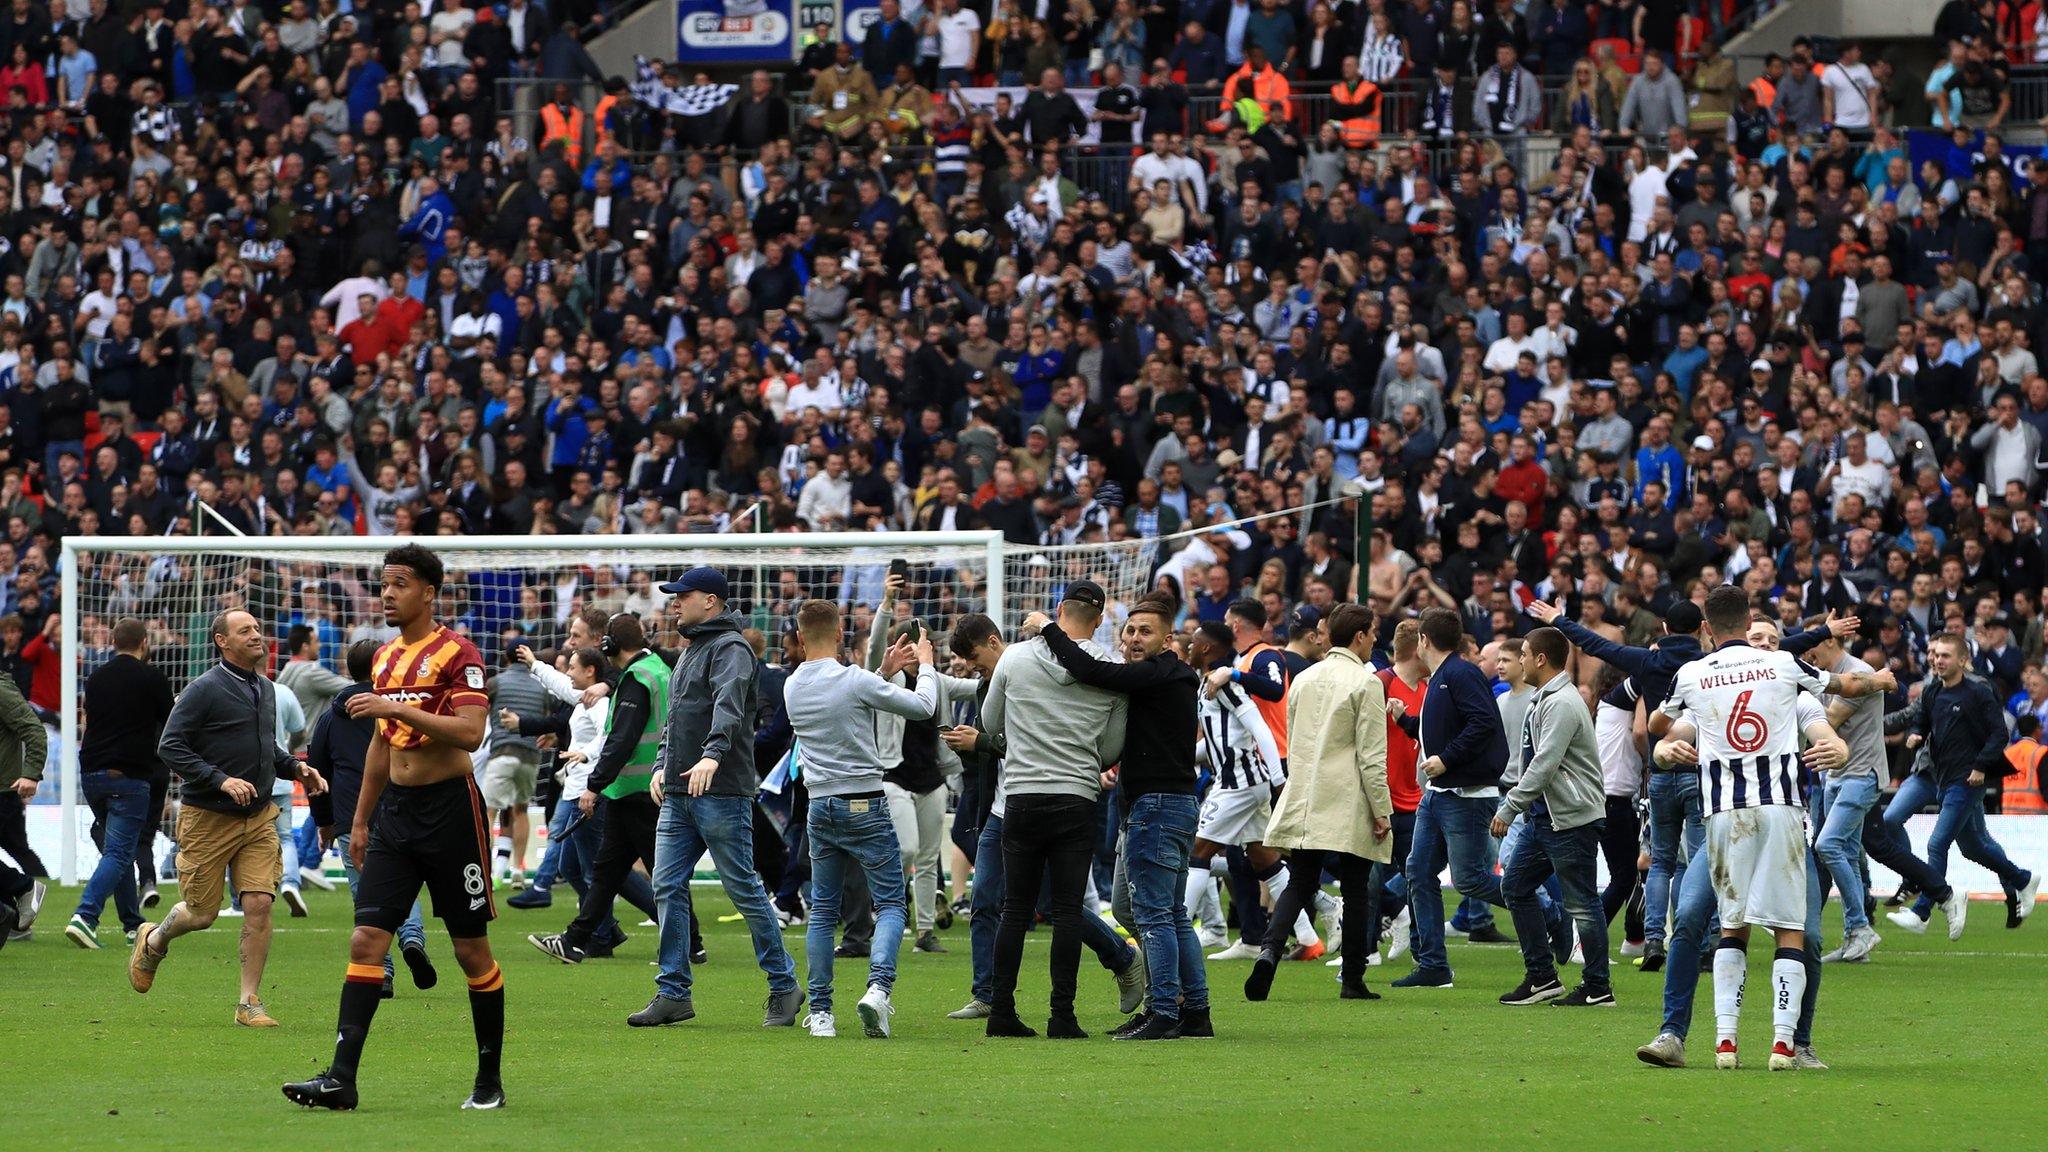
[1336, 761]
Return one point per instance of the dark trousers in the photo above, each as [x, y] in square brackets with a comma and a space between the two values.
[1385, 898]
[1895, 852]
[1051, 837]
[145, 848]
[1304, 876]
[769, 860]
[14, 835]
[628, 838]
[1621, 843]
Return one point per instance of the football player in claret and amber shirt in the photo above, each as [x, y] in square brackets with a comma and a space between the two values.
[419, 823]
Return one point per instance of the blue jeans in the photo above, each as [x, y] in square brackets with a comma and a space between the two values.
[1839, 807]
[847, 832]
[123, 805]
[411, 934]
[1550, 895]
[1572, 856]
[1452, 829]
[551, 860]
[287, 835]
[986, 911]
[1159, 834]
[1689, 929]
[1960, 824]
[723, 825]
[1674, 821]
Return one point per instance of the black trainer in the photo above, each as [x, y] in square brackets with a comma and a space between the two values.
[1195, 1024]
[1356, 991]
[1154, 1028]
[1064, 1027]
[420, 965]
[484, 1097]
[1653, 957]
[1129, 1026]
[1260, 982]
[1530, 992]
[323, 1091]
[1488, 935]
[1008, 1026]
[1585, 997]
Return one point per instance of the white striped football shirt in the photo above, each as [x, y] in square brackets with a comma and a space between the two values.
[1744, 701]
[1241, 748]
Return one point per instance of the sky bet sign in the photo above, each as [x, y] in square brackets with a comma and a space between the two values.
[735, 31]
[765, 31]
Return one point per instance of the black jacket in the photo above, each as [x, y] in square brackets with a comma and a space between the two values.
[1158, 756]
[225, 724]
[1964, 728]
[126, 704]
[339, 745]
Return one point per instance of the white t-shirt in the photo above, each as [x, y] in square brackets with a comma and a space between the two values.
[959, 35]
[475, 328]
[1744, 701]
[1505, 352]
[1643, 191]
[1851, 85]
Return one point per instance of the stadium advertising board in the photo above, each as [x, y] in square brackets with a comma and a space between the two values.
[735, 31]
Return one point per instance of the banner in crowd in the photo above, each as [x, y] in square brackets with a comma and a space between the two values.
[1959, 162]
[855, 16]
[986, 98]
[735, 31]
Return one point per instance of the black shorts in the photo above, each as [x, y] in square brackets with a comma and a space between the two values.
[435, 836]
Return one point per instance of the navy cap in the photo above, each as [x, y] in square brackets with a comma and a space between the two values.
[1683, 618]
[1085, 592]
[699, 579]
[1303, 620]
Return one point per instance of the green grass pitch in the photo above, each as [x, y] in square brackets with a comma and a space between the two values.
[1932, 1044]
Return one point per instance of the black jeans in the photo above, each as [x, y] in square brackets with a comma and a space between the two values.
[628, 837]
[14, 835]
[1304, 876]
[1621, 843]
[1053, 837]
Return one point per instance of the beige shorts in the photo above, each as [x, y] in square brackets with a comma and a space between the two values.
[213, 846]
[509, 779]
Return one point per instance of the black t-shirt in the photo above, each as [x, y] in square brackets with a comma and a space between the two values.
[1166, 109]
[1980, 87]
[1121, 100]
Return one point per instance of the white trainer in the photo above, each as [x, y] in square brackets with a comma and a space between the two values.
[1955, 910]
[2022, 908]
[1330, 921]
[1909, 920]
[1856, 949]
[1242, 950]
[1397, 936]
[820, 1024]
[26, 911]
[874, 1010]
[1211, 937]
[1631, 948]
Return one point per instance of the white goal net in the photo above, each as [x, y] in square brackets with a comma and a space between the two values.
[502, 591]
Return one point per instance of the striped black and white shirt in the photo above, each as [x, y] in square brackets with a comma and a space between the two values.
[1239, 745]
[158, 123]
[1745, 703]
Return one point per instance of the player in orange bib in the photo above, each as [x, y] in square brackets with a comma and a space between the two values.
[426, 829]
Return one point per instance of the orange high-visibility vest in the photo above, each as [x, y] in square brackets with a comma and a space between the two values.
[1358, 112]
[568, 128]
[1273, 712]
[602, 118]
[2022, 790]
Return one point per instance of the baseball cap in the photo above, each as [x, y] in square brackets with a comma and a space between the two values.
[1998, 620]
[1683, 618]
[1085, 592]
[1703, 443]
[699, 579]
[1303, 619]
[1760, 365]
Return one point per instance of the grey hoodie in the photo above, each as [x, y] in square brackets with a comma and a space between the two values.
[1057, 734]
[1561, 759]
[711, 703]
